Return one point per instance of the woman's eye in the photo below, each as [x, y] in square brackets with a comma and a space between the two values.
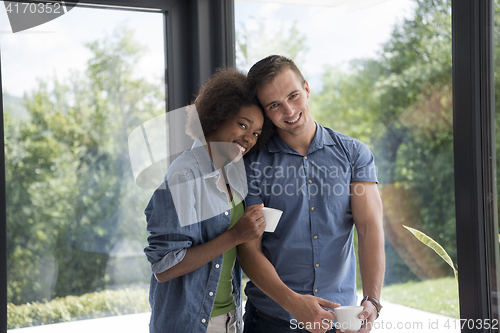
[256, 135]
[244, 126]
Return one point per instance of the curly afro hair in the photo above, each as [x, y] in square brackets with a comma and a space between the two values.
[220, 98]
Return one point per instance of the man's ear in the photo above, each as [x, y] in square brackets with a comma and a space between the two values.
[306, 88]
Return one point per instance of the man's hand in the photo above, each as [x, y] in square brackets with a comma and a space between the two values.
[368, 314]
[309, 311]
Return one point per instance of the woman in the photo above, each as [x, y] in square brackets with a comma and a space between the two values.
[197, 218]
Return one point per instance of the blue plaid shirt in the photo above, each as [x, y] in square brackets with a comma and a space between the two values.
[312, 247]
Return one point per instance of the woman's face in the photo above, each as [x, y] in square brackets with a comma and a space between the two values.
[241, 131]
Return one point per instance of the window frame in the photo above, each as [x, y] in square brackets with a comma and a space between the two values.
[199, 37]
[475, 158]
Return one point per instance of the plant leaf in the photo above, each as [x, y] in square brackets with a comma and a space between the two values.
[431, 243]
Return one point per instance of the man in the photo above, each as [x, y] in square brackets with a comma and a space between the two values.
[325, 184]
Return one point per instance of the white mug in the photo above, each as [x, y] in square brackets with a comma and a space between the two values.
[272, 217]
[347, 318]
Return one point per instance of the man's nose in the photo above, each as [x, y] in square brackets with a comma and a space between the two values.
[288, 109]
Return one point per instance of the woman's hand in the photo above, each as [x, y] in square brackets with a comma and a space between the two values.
[251, 225]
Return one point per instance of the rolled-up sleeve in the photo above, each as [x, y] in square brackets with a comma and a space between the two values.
[168, 240]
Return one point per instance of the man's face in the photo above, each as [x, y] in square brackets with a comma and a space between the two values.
[285, 101]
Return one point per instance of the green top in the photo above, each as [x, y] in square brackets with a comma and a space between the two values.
[224, 301]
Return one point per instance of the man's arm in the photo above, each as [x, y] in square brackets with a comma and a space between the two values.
[367, 213]
[305, 308]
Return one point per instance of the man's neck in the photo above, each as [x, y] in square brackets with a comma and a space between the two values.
[300, 142]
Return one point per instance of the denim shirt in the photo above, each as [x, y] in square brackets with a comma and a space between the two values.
[196, 212]
[312, 248]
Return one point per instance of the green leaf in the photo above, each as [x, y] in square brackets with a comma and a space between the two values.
[431, 243]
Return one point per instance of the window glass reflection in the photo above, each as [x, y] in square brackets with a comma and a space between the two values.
[73, 91]
[381, 72]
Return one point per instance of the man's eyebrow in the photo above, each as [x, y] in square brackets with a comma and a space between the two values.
[273, 102]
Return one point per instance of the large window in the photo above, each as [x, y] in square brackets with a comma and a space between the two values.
[103, 84]
[381, 72]
[73, 90]
[381, 75]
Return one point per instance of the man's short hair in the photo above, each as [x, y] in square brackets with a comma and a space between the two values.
[267, 69]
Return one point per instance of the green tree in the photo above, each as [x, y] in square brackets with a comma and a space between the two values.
[400, 105]
[71, 192]
[255, 43]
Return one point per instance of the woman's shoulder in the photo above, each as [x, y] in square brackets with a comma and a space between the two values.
[184, 166]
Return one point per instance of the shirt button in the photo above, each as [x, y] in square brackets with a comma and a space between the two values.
[217, 265]
[315, 236]
[305, 157]
[317, 264]
[203, 321]
[315, 290]
[310, 181]
[312, 208]
[211, 293]
[226, 213]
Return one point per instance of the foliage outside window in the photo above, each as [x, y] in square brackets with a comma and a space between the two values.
[75, 216]
[400, 104]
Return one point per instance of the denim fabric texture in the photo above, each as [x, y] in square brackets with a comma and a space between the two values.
[312, 247]
[184, 304]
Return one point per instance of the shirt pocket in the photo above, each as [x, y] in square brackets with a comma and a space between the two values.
[336, 186]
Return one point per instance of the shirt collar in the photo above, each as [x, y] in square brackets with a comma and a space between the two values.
[321, 138]
[200, 153]
[235, 170]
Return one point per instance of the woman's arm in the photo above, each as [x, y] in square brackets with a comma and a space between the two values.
[250, 226]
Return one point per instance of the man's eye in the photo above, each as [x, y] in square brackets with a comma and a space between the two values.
[272, 106]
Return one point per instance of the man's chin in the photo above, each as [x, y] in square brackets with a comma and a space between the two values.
[296, 131]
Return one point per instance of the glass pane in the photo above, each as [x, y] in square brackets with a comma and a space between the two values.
[380, 71]
[73, 90]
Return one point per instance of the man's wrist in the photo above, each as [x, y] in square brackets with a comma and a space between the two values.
[290, 300]
[375, 303]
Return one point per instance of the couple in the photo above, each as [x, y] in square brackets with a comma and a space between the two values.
[323, 181]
